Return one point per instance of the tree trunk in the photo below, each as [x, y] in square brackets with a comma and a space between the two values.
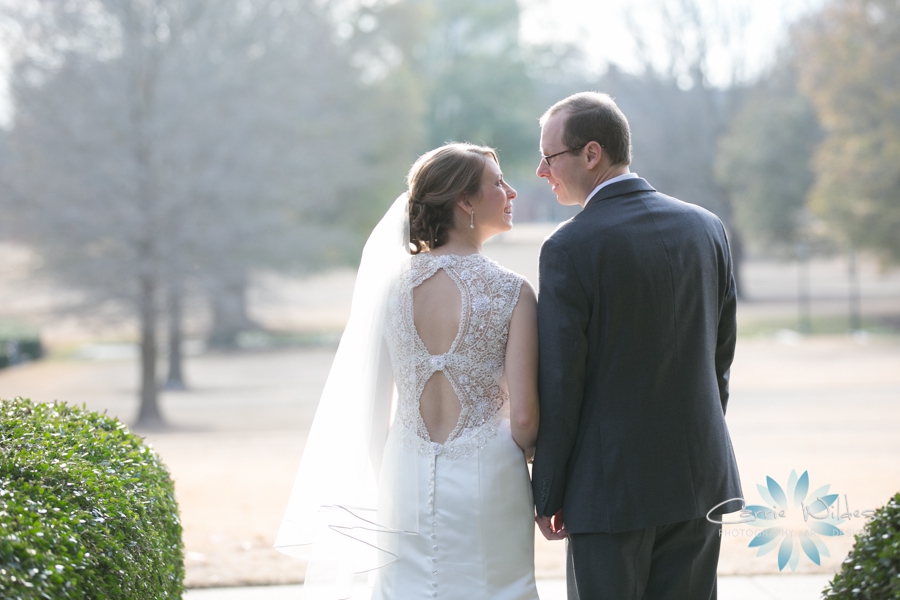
[229, 308]
[737, 260]
[854, 296]
[175, 380]
[149, 415]
[804, 301]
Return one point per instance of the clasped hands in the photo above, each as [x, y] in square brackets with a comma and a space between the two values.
[553, 528]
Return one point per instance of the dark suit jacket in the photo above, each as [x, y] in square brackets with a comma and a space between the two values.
[636, 315]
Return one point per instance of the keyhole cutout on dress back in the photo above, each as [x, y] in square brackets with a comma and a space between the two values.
[437, 309]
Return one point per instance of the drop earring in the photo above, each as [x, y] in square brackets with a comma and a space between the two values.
[472, 220]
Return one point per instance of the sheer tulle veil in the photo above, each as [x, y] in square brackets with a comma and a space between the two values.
[336, 518]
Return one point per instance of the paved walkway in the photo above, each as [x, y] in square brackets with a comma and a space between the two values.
[758, 587]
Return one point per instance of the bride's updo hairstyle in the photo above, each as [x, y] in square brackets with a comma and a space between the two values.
[436, 180]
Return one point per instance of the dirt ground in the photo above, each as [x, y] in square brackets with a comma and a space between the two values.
[827, 404]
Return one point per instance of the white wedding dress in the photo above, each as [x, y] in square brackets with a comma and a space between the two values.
[377, 509]
[469, 497]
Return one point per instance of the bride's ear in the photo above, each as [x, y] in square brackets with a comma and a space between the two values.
[465, 202]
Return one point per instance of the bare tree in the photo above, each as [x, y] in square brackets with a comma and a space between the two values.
[683, 46]
[189, 142]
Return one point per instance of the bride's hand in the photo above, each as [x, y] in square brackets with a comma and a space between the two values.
[553, 528]
[529, 455]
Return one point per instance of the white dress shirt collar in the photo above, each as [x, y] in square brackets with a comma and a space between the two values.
[607, 182]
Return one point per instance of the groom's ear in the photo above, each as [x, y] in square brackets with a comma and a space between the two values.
[593, 153]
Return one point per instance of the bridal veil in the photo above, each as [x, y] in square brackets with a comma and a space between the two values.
[336, 518]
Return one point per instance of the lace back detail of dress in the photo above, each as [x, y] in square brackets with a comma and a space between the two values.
[474, 363]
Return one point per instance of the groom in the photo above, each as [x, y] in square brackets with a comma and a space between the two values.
[636, 316]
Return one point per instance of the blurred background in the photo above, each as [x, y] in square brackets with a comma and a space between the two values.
[186, 186]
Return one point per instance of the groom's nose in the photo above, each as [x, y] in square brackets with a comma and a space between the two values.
[543, 170]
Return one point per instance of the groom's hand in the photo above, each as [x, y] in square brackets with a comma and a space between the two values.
[553, 527]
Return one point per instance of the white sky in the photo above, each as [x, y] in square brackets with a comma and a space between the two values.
[601, 28]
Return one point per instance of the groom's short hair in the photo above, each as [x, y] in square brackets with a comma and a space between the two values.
[594, 117]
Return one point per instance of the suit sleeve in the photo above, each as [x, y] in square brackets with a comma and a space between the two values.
[727, 331]
[563, 314]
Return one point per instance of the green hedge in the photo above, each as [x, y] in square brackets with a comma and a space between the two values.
[872, 569]
[19, 342]
[86, 509]
[19, 350]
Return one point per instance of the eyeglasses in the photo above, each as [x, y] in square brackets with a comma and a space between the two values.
[547, 158]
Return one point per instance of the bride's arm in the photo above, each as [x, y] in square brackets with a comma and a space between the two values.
[521, 370]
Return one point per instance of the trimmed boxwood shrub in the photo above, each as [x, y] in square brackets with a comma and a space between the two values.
[86, 509]
[13, 351]
[18, 343]
[872, 569]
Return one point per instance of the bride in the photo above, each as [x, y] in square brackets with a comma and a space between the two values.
[414, 473]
